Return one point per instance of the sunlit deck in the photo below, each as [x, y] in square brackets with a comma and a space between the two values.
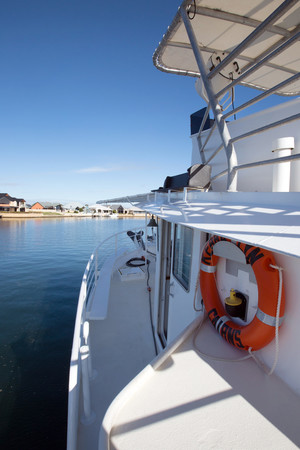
[121, 346]
[188, 401]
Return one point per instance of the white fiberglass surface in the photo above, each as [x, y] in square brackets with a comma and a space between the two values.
[219, 28]
[121, 345]
[193, 402]
[268, 220]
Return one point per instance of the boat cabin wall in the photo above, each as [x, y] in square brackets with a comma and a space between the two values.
[182, 309]
[234, 273]
[288, 366]
[255, 148]
[174, 304]
[181, 306]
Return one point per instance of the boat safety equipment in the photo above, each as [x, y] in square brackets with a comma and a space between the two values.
[261, 330]
[235, 304]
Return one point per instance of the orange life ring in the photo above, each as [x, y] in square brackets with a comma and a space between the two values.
[261, 330]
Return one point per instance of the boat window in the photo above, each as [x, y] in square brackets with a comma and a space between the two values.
[182, 255]
[165, 231]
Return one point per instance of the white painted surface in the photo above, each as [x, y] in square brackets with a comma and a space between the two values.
[181, 310]
[192, 403]
[214, 34]
[281, 172]
[255, 148]
[268, 220]
[120, 347]
[288, 367]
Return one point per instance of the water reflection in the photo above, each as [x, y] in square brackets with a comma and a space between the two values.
[41, 266]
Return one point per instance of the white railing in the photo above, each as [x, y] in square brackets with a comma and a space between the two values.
[107, 248]
[265, 59]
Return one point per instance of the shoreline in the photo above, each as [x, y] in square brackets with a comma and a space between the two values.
[4, 215]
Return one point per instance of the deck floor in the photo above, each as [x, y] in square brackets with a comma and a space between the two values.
[194, 403]
[121, 346]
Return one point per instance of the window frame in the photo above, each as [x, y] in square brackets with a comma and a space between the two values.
[176, 274]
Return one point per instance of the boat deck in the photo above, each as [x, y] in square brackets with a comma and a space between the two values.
[193, 402]
[124, 346]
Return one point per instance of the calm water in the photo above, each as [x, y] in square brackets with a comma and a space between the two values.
[41, 265]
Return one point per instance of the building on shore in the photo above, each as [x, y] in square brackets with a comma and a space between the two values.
[38, 206]
[11, 204]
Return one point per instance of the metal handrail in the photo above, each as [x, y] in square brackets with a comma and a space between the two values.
[270, 20]
[221, 124]
[260, 97]
[266, 127]
[90, 277]
[261, 61]
[95, 263]
[87, 287]
[227, 142]
[262, 162]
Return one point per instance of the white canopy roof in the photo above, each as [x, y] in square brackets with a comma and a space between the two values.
[221, 26]
[265, 219]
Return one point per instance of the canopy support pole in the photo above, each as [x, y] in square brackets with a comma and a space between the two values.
[216, 108]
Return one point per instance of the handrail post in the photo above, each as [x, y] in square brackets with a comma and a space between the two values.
[84, 288]
[96, 266]
[146, 232]
[89, 415]
[185, 192]
[86, 337]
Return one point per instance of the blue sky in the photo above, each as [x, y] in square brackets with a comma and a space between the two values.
[84, 114]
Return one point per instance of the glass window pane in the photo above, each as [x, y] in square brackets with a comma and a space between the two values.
[183, 255]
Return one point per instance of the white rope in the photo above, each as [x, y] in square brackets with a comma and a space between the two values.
[251, 353]
[196, 290]
[215, 358]
[198, 283]
[260, 363]
[280, 269]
